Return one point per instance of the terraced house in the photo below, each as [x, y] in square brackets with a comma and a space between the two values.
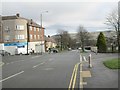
[20, 35]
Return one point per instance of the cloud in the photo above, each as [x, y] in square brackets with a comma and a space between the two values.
[62, 15]
[59, 0]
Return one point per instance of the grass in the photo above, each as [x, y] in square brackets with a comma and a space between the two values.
[113, 63]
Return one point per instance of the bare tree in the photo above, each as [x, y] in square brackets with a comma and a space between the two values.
[113, 20]
[64, 39]
[83, 36]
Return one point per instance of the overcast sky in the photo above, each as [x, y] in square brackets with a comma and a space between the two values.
[63, 15]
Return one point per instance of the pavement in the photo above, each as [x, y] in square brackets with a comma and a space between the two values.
[56, 71]
[102, 77]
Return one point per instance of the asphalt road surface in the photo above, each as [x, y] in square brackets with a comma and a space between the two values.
[40, 71]
[59, 70]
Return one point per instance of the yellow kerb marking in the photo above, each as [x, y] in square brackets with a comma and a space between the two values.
[73, 77]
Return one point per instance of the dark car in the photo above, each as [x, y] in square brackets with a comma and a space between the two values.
[4, 53]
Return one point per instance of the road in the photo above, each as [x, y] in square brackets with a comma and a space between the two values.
[56, 71]
[41, 71]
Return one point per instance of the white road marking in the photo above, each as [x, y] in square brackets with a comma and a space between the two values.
[38, 65]
[11, 76]
[14, 62]
[50, 59]
[22, 60]
[11, 62]
[7, 63]
[42, 63]
[1, 64]
[35, 56]
[48, 69]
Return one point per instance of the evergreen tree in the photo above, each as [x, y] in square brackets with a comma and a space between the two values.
[101, 43]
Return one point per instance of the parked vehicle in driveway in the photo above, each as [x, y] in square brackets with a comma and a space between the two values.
[4, 53]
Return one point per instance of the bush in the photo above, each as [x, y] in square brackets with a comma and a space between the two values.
[101, 43]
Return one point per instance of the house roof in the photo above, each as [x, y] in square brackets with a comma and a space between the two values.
[17, 16]
[50, 39]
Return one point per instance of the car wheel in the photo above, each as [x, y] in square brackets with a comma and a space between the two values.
[8, 54]
[20, 53]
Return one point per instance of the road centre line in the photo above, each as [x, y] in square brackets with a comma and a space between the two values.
[50, 59]
[38, 65]
[35, 56]
[11, 76]
[14, 62]
[20, 60]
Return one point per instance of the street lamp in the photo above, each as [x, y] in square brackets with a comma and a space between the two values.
[1, 29]
[41, 31]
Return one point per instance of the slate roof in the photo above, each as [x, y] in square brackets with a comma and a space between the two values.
[30, 21]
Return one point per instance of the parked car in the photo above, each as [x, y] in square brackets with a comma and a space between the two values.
[4, 53]
[54, 50]
[69, 49]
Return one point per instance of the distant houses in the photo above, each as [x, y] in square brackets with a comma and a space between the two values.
[50, 43]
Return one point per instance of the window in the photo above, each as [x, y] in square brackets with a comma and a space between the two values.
[34, 28]
[7, 29]
[38, 29]
[31, 36]
[31, 28]
[38, 36]
[20, 27]
[19, 37]
[34, 36]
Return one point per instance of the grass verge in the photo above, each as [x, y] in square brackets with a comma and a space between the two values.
[112, 63]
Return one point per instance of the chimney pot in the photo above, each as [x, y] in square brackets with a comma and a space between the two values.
[18, 15]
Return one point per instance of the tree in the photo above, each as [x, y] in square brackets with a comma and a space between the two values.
[83, 36]
[101, 43]
[64, 39]
[113, 20]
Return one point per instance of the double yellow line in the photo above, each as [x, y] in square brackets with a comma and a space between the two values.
[73, 78]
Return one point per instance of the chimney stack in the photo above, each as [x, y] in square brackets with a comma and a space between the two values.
[18, 15]
[31, 21]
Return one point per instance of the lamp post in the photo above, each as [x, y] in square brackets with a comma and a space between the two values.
[41, 31]
[1, 29]
[27, 38]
